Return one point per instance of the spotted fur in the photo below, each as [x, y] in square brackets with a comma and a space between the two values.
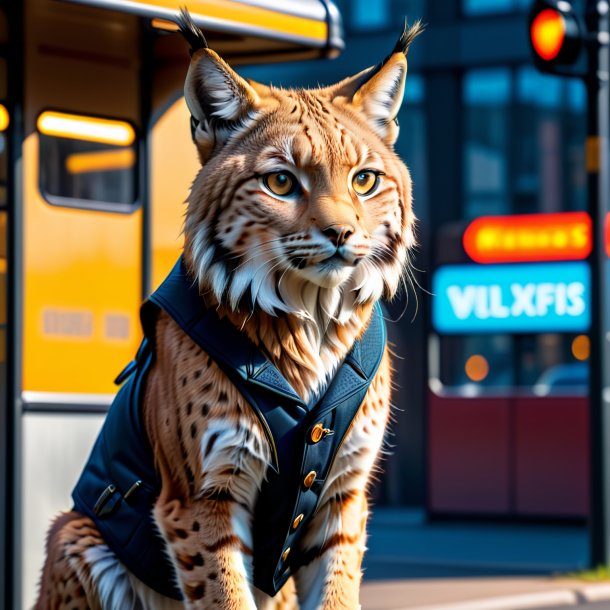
[299, 274]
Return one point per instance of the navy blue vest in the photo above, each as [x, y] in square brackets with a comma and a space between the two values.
[119, 485]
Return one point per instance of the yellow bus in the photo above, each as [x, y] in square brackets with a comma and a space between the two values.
[95, 163]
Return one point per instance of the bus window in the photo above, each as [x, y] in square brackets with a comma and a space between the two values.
[87, 162]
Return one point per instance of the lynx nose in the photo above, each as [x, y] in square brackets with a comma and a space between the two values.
[338, 234]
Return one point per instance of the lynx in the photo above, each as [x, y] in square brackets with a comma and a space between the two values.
[299, 221]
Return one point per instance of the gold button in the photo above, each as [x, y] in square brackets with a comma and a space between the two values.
[317, 433]
[285, 554]
[297, 521]
[309, 479]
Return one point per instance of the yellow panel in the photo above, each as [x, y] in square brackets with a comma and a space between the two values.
[238, 12]
[82, 288]
[174, 165]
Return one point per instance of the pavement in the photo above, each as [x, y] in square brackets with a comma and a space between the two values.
[415, 564]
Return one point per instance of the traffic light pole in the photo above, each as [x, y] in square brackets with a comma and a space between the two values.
[598, 170]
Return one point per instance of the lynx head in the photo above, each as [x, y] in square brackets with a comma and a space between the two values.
[301, 205]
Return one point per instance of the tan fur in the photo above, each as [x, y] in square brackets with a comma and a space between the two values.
[277, 269]
[66, 582]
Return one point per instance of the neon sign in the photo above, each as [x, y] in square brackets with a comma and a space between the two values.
[552, 297]
[529, 237]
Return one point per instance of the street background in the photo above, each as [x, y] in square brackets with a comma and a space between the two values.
[484, 499]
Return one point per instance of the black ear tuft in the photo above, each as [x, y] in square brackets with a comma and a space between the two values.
[409, 34]
[194, 36]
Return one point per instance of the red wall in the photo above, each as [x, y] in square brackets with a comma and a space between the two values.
[508, 456]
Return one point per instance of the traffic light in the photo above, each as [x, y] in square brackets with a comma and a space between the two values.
[556, 37]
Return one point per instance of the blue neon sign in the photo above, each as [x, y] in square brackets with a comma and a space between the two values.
[546, 297]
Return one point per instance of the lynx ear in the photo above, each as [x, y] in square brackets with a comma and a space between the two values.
[215, 94]
[378, 91]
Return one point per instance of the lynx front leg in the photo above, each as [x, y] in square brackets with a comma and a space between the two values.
[207, 521]
[332, 580]
[210, 552]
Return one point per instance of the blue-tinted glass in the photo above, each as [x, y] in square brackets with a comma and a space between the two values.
[486, 94]
[487, 87]
[548, 134]
[539, 89]
[367, 15]
[414, 90]
[479, 7]
[577, 95]
[411, 147]
[412, 9]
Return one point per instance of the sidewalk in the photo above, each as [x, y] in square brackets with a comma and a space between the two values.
[482, 594]
[413, 564]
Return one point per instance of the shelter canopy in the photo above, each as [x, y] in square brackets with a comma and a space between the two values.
[248, 30]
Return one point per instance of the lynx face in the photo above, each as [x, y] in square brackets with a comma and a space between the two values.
[301, 205]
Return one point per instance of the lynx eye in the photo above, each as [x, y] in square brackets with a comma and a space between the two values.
[280, 183]
[365, 182]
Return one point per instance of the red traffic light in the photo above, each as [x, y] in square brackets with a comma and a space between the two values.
[548, 32]
[556, 36]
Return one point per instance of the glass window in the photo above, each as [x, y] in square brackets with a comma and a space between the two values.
[478, 7]
[365, 15]
[412, 9]
[529, 127]
[488, 7]
[414, 90]
[549, 134]
[87, 162]
[547, 363]
[411, 144]
[487, 95]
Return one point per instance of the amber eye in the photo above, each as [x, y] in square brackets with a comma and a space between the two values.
[280, 183]
[365, 182]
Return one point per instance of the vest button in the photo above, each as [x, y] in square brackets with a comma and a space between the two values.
[285, 554]
[297, 521]
[309, 479]
[317, 433]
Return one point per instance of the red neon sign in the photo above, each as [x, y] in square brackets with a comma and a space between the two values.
[530, 237]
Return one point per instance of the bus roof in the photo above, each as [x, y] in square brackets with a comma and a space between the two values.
[306, 25]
